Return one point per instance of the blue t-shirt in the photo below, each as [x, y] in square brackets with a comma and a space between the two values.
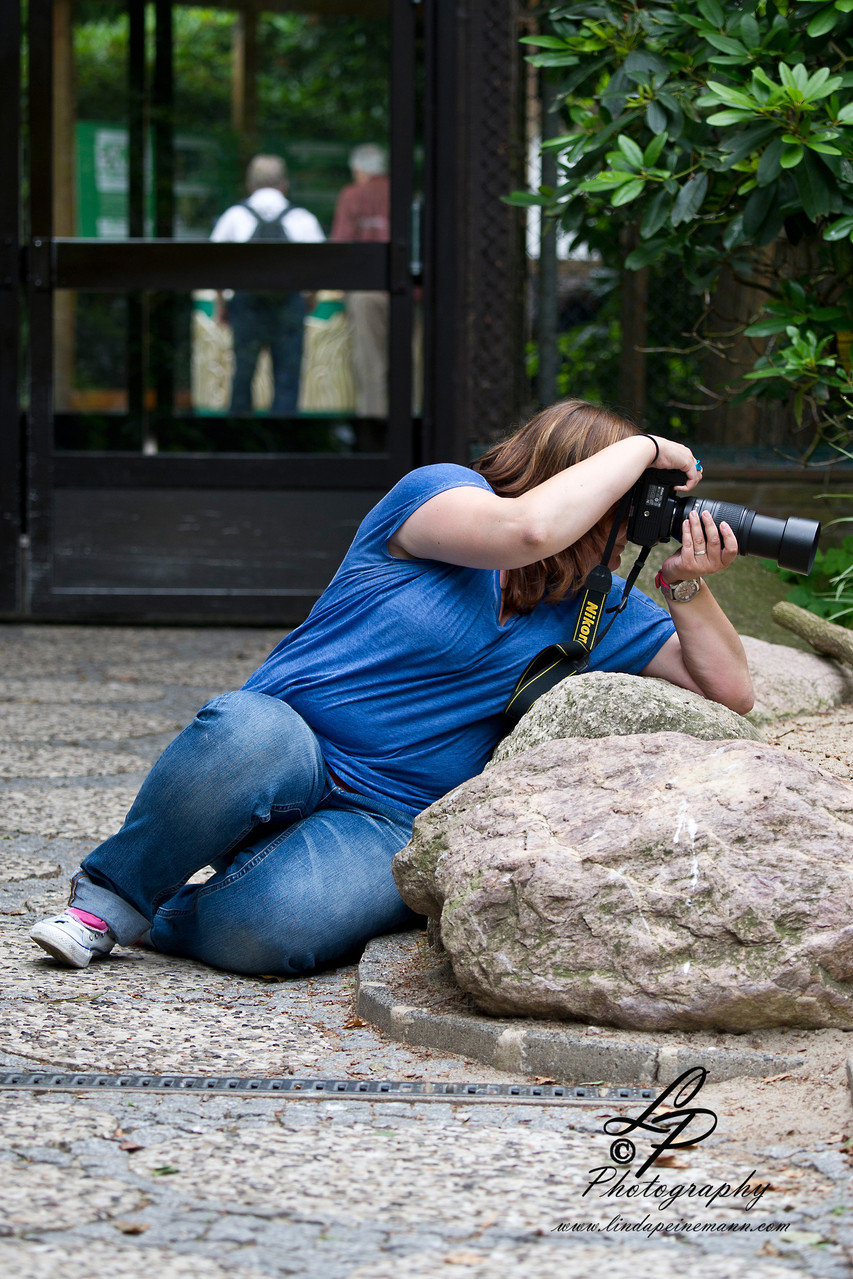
[402, 669]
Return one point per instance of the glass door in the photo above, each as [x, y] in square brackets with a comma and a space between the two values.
[221, 296]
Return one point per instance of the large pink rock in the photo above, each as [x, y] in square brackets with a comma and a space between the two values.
[788, 681]
[651, 882]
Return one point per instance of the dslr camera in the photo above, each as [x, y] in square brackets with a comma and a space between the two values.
[656, 513]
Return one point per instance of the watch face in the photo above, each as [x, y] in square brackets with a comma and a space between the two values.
[685, 591]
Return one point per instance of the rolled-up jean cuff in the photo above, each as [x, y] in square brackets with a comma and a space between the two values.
[124, 921]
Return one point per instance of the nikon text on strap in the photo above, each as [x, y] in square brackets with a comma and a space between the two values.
[571, 657]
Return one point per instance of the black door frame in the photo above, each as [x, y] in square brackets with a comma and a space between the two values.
[162, 263]
[472, 281]
[12, 528]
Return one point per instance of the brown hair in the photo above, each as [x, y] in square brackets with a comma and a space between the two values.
[556, 438]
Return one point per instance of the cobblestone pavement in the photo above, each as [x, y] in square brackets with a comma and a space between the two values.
[177, 1185]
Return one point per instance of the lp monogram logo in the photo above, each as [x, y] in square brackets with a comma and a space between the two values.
[670, 1125]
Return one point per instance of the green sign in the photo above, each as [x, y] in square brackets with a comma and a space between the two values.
[102, 183]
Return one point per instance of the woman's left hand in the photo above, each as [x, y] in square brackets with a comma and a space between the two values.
[704, 549]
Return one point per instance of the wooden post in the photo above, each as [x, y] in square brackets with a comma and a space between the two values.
[244, 93]
[548, 326]
[635, 325]
[733, 306]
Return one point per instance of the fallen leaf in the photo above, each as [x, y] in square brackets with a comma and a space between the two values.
[464, 1258]
[774, 1079]
[806, 1237]
[543, 1079]
[270, 977]
[486, 1222]
[130, 1146]
[131, 1227]
[783, 1178]
[354, 1022]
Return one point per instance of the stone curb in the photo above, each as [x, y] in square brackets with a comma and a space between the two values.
[568, 1053]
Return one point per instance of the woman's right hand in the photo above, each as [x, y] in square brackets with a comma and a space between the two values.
[673, 456]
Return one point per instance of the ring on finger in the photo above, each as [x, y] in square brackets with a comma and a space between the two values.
[698, 553]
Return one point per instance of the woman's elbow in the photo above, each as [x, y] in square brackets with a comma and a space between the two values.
[535, 541]
[740, 699]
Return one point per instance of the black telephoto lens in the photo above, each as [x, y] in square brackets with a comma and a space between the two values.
[792, 543]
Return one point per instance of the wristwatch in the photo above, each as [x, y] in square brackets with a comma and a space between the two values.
[680, 592]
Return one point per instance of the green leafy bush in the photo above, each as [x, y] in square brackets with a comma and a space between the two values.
[720, 136]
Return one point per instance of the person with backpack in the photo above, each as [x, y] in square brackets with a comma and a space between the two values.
[272, 320]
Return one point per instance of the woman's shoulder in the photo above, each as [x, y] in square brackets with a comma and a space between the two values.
[428, 481]
[439, 476]
[410, 493]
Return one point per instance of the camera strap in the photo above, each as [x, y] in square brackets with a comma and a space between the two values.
[571, 657]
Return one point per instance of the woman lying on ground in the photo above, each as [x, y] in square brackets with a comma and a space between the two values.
[299, 789]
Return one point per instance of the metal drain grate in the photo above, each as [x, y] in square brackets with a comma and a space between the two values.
[319, 1089]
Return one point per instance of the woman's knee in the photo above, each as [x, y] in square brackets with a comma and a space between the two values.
[243, 716]
[252, 728]
[241, 748]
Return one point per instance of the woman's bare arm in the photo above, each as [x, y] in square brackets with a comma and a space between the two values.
[705, 654]
[477, 529]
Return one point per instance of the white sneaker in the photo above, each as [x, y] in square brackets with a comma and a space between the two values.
[70, 941]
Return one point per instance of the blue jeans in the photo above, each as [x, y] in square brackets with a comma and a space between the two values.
[303, 867]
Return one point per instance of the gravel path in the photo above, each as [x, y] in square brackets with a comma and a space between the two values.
[218, 1185]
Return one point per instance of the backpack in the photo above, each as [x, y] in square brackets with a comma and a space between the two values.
[268, 230]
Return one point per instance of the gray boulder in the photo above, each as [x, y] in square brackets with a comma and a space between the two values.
[788, 681]
[650, 882]
[601, 704]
